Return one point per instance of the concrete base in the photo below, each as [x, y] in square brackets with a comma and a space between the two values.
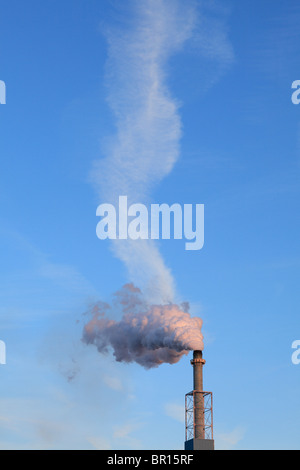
[199, 444]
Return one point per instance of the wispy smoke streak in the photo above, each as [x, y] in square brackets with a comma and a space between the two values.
[147, 334]
[146, 145]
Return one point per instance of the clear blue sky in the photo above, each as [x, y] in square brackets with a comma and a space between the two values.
[239, 155]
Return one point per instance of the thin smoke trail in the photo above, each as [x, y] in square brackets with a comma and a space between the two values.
[146, 145]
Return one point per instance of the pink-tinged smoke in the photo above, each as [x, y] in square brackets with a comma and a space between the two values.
[149, 335]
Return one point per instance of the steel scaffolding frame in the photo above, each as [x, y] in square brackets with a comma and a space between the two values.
[190, 414]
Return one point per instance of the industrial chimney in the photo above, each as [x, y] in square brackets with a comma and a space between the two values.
[198, 411]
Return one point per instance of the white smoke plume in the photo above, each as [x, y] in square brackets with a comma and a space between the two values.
[149, 335]
[146, 144]
[153, 328]
[148, 126]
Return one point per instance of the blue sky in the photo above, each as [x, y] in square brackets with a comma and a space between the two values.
[239, 155]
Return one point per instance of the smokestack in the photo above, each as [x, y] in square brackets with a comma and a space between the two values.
[199, 425]
[198, 410]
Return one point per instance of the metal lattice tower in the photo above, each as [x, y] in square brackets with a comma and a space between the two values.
[207, 399]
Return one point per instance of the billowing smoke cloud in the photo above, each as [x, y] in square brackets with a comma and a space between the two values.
[146, 334]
